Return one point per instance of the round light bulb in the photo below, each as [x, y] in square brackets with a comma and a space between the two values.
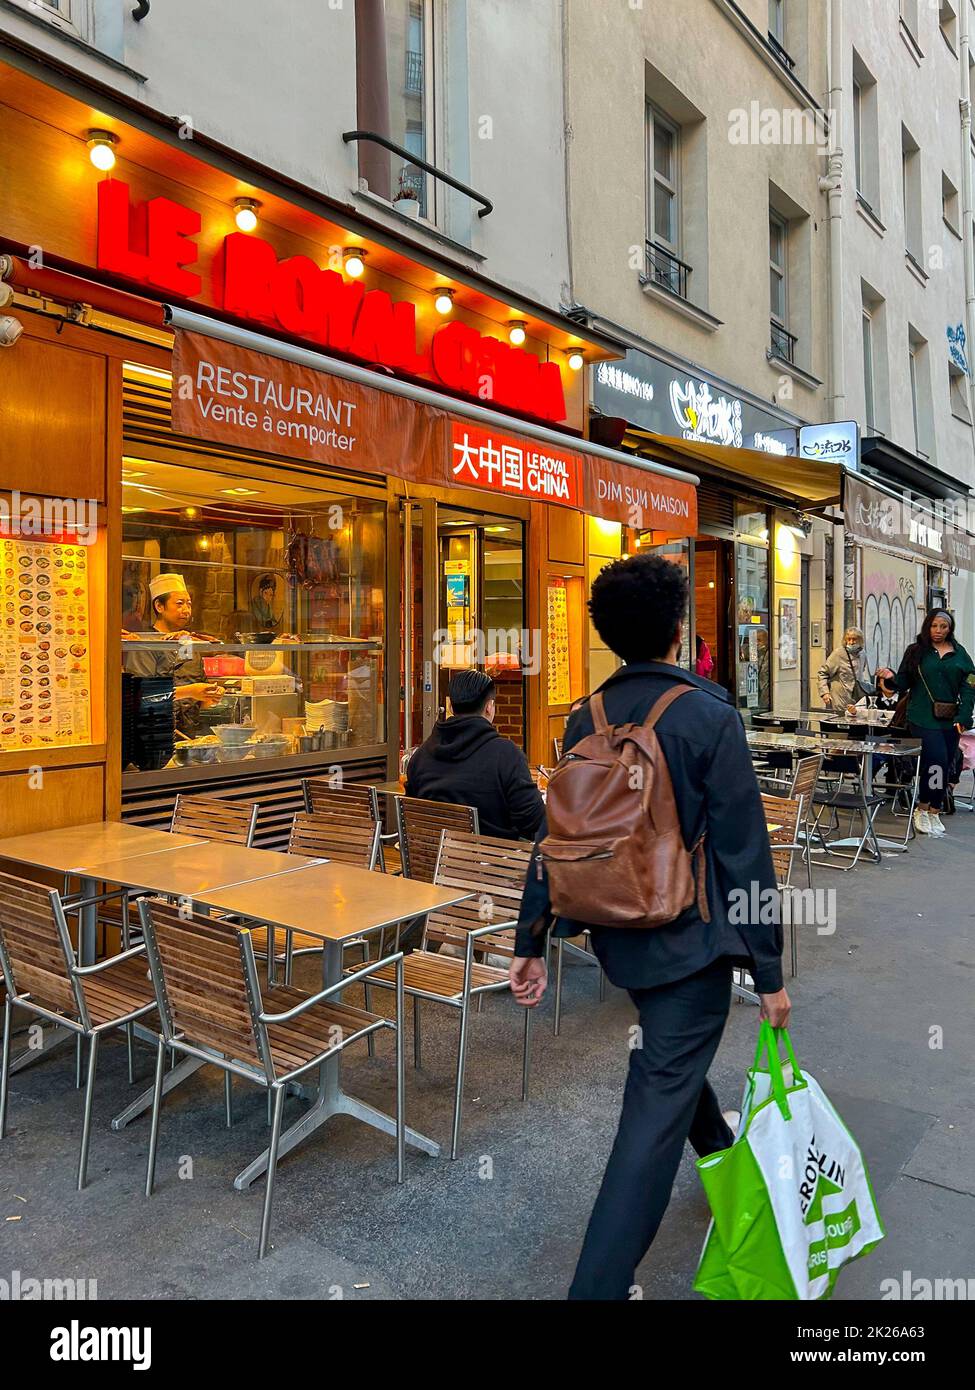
[101, 151]
[444, 303]
[354, 266]
[576, 361]
[516, 334]
[245, 217]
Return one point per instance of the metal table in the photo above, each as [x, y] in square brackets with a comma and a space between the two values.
[867, 749]
[334, 902]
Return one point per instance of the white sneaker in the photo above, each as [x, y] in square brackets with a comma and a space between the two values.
[937, 827]
[922, 822]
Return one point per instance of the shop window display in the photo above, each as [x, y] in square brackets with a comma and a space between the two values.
[252, 616]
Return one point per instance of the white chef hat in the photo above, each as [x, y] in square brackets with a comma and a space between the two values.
[167, 584]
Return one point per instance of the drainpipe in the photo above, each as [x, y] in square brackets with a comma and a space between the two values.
[965, 104]
[832, 185]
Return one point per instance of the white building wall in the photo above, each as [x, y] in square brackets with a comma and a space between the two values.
[277, 84]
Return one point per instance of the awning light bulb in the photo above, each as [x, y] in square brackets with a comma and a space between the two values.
[101, 149]
[444, 301]
[355, 261]
[245, 214]
[576, 361]
[516, 333]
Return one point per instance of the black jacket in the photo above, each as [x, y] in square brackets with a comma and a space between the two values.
[465, 760]
[703, 741]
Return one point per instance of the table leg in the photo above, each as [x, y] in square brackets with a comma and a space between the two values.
[332, 1100]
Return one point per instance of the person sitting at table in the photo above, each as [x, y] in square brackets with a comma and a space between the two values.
[466, 761]
[843, 678]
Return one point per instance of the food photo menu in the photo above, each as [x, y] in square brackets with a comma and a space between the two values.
[45, 661]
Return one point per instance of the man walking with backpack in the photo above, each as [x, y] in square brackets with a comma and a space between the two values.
[656, 841]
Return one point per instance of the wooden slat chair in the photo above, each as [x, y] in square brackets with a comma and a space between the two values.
[421, 824]
[351, 802]
[786, 812]
[215, 818]
[205, 977]
[493, 872]
[320, 836]
[43, 977]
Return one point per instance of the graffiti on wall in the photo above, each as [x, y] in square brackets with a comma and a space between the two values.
[890, 609]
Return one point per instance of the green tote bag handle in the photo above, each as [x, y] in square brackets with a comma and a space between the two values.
[768, 1041]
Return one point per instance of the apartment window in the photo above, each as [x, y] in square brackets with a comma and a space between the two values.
[909, 15]
[396, 99]
[866, 161]
[948, 23]
[949, 204]
[783, 342]
[664, 211]
[922, 408]
[73, 16]
[776, 21]
[869, 380]
[911, 192]
[958, 393]
[912, 365]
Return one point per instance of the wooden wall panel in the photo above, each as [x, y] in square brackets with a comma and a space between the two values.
[566, 536]
[68, 796]
[52, 441]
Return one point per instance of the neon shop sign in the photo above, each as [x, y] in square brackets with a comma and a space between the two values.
[153, 244]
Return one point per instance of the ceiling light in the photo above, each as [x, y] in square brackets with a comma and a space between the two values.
[239, 491]
[497, 530]
[355, 261]
[576, 360]
[516, 332]
[444, 301]
[101, 149]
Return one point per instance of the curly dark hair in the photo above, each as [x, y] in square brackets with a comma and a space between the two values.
[637, 605]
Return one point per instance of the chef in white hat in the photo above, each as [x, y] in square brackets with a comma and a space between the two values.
[172, 609]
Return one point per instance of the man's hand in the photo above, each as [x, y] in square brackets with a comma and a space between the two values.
[777, 1008]
[529, 977]
[203, 691]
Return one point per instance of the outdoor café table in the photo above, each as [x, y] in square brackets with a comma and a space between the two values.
[77, 851]
[334, 902]
[866, 749]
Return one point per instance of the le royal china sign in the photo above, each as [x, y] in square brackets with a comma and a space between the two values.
[153, 244]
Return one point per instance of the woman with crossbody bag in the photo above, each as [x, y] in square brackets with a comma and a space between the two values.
[939, 676]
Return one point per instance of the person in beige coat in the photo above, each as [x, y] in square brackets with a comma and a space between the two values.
[843, 676]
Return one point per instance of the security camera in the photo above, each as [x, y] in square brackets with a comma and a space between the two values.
[10, 330]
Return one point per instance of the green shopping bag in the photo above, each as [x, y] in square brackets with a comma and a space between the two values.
[791, 1199]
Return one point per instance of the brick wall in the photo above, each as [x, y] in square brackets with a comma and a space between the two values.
[510, 717]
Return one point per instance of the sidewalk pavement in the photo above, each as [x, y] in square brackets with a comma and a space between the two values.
[883, 1018]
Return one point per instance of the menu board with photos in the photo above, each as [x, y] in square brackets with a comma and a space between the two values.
[558, 644]
[45, 644]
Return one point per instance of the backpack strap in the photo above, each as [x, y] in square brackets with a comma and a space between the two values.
[597, 709]
[665, 701]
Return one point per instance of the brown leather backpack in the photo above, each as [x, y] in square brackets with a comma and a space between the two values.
[614, 850]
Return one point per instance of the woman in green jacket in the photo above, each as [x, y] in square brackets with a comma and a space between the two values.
[940, 676]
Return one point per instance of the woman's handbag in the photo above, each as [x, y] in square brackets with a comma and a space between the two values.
[941, 709]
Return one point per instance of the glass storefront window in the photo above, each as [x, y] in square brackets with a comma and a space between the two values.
[751, 522]
[270, 631]
[753, 627]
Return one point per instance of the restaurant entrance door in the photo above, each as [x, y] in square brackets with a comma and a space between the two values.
[463, 605]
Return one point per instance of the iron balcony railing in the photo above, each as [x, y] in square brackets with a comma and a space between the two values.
[414, 71]
[667, 270]
[783, 343]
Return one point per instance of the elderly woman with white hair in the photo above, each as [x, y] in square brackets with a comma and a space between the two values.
[843, 678]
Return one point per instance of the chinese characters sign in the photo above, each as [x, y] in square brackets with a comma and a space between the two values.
[501, 463]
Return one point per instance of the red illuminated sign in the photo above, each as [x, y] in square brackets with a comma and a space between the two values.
[483, 458]
[152, 243]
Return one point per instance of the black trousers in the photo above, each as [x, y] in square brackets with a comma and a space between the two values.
[938, 749]
[667, 1100]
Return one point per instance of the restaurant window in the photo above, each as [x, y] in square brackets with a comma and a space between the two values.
[395, 75]
[276, 578]
[753, 613]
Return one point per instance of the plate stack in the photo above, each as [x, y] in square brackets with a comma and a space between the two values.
[147, 721]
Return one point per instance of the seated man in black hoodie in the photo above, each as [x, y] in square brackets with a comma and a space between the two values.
[466, 761]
